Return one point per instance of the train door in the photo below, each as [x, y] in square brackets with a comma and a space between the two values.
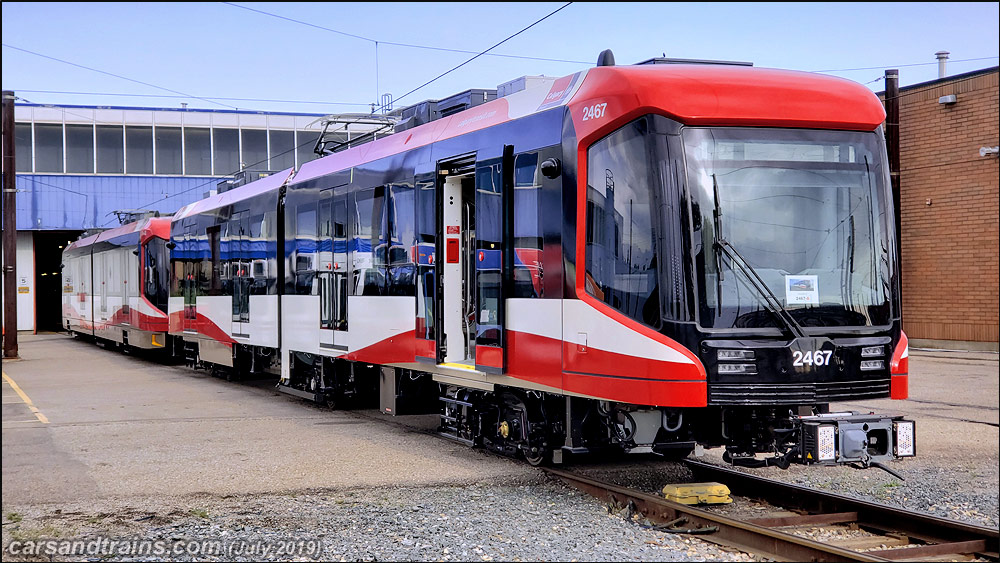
[125, 260]
[333, 268]
[189, 286]
[100, 287]
[493, 258]
[426, 226]
[239, 242]
[456, 303]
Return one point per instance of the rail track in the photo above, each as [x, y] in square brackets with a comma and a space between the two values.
[890, 534]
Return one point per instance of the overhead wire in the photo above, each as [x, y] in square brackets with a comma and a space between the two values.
[313, 102]
[901, 66]
[216, 180]
[115, 75]
[508, 38]
[398, 44]
[480, 54]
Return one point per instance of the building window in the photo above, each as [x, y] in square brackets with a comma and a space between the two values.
[168, 151]
[226, 149]
[22, 147]
[305, 145]
[282, 150]
[254, 149]
[48, 148]
[110, 150]
[197, 152]
[138, 150]
[79, 149]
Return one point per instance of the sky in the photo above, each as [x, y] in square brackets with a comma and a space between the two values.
[328, 57]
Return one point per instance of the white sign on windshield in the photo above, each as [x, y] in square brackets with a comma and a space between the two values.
[801, 289]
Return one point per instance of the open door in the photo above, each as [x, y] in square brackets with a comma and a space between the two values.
[189, 285]
[424, 251]
[456, 305]
[494, 191]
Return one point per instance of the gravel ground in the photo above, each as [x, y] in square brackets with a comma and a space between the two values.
[960, 492]
[965, 491]
[542, 521]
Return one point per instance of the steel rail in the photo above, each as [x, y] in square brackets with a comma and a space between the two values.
[939, 534]
[745, 536]
[759, 537]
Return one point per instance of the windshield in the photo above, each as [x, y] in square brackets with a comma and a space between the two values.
[806, 211]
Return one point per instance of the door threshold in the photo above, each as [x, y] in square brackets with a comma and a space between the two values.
[458, 366]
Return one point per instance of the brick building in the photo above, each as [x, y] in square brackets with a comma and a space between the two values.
[949, 194]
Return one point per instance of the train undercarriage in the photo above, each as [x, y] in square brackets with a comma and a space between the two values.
[542, 428]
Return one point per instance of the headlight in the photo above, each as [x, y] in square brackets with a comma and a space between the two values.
[737, 369]
[872, 351]
[905, 444]
[724, 355]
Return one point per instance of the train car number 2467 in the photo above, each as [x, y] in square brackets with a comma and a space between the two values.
[595, 111]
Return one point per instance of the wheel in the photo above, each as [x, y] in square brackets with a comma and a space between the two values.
[542, 457]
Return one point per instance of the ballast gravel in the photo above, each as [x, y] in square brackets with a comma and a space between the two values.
[542, 521]
[965, 490]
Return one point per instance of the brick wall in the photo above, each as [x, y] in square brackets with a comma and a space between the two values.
[949, 209]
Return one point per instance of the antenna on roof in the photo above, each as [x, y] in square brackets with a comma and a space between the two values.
[606, 58]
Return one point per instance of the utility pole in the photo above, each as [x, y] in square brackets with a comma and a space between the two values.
[9, 232]
[892, 147]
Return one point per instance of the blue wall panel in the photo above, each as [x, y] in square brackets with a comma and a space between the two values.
[65, 202]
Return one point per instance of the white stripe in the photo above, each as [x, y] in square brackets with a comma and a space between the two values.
[541, 317]
[604, 333]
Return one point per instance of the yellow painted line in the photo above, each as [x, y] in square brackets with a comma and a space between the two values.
[38, 414]
[459, 366]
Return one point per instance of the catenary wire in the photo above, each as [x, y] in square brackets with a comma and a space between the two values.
[114, 75]
[398, 44]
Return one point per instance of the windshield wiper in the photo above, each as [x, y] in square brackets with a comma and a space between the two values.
[771, 301]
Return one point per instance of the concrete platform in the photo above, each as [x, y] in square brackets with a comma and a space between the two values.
[118, 426]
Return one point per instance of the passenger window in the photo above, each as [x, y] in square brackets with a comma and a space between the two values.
[402, 265]
[305, 248]
[528, 272]
[370, 252]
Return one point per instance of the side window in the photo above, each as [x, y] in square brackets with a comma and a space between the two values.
[305, 248]
[621, 253]
[370, 247]
[256, 253]
[215, 251]
[528, 273]
[402, 266]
